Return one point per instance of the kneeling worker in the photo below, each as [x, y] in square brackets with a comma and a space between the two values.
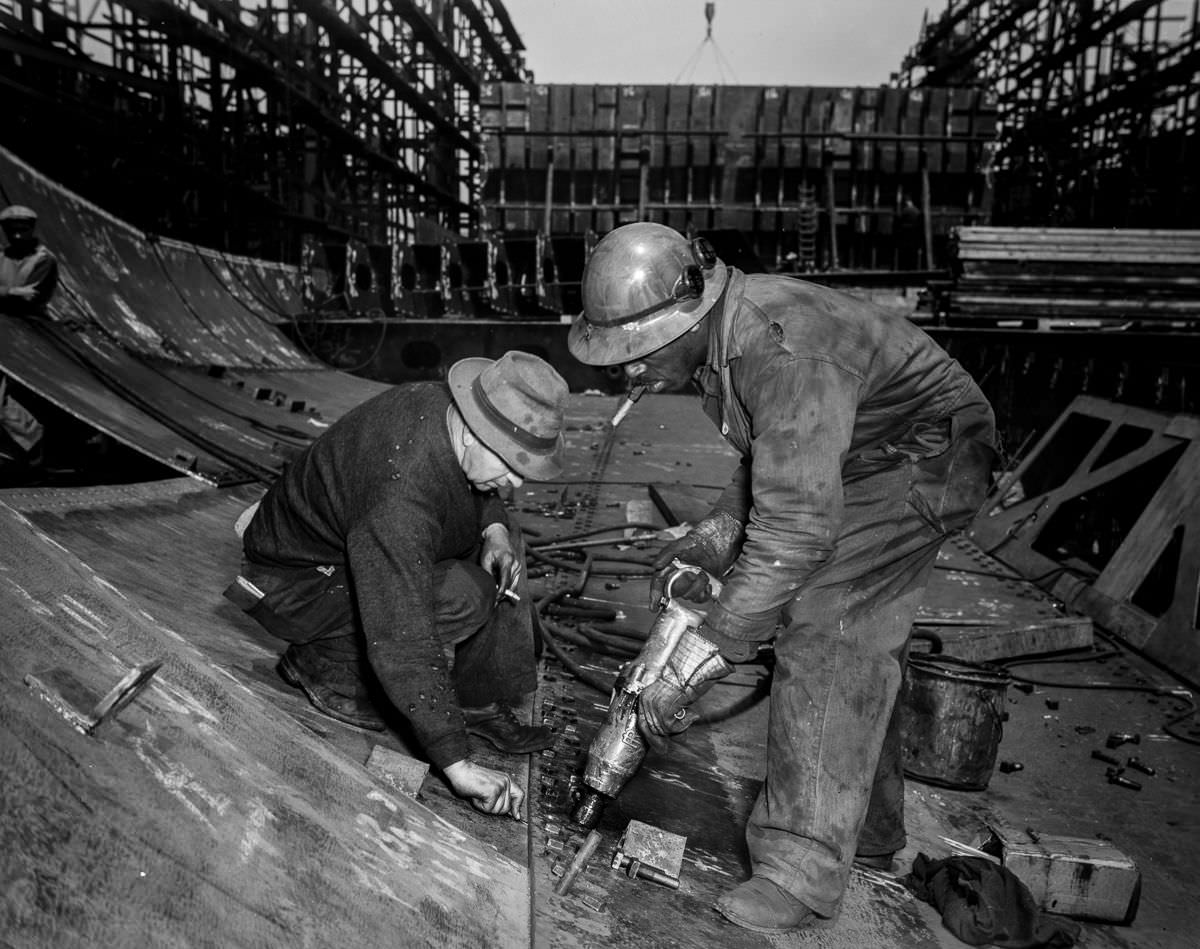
[384, 545]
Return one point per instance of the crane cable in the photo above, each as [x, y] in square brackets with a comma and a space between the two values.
[722, 64]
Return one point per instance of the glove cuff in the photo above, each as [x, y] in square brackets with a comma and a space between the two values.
[720, 527]
[695, 661]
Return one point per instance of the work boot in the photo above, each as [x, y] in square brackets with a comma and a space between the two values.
[764, 907]
[880, 861]
[333, 688]
[498, 725]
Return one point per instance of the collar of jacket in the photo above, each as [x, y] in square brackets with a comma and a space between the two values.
[36, 253]
[720, 327]
[727, 413]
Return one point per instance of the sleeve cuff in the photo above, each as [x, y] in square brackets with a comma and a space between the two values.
[448, 749]
[492, 511]
[737, 636]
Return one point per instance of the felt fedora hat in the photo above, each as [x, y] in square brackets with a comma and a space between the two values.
[514, 405]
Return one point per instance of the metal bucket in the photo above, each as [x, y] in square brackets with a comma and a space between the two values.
[951, 712]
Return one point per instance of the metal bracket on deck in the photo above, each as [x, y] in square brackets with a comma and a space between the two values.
[108, 708]
[649, 853]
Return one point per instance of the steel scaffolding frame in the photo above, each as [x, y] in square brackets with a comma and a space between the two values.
[248, 124]
[1098, 102]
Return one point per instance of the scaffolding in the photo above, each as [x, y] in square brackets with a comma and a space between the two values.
[251, 126]
[1097, 99]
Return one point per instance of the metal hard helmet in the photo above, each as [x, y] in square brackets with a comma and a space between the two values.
[18, 212]
[644, 286]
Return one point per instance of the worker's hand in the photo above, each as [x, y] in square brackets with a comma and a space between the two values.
[500, 559]
[664, 705]
[713, 545]
[22, 293]
[491, 792]
[663, 713]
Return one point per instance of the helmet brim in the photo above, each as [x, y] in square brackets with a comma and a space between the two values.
[616, 345]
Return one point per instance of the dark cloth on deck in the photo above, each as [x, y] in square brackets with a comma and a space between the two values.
[984, 903]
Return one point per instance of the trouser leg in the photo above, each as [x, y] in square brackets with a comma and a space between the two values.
[495, 661]
[883, 828]
[313, 608]
[837, 675]
[833, 745]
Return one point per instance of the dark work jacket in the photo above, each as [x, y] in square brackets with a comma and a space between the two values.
[382, 494]
[805, 382]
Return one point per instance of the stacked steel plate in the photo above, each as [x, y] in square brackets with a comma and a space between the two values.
[1052, 278]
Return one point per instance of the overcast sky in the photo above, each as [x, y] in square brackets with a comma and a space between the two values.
[761, 42]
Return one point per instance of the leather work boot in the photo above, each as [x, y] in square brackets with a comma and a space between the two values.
[333, 688]
[762, 906]
[880, 861]
[498, 725]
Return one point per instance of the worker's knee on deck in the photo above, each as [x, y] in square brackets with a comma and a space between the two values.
[463, 596]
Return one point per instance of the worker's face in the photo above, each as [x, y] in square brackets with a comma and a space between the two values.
[486, 470]
[18, 231]
[672, 366]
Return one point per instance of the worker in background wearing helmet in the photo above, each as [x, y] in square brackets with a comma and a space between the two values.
[28, 271]
[28, 277]
[384, 546]
[863, 445]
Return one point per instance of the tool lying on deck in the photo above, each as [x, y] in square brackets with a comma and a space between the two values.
[649, 853]
[618, 748]
[577, 865]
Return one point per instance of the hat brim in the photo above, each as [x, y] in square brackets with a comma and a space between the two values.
[528, 464]
[616, 345]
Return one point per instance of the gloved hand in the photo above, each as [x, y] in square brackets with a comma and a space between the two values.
[713, 544]
[491, 792]
[663, 706]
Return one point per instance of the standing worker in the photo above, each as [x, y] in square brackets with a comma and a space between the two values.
[28, 278]
[863, 445]
[384, 545]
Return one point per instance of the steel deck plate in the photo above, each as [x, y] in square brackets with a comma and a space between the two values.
[165, 551]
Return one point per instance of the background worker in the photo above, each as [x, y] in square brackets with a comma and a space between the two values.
[28, 278]
[863, 444]
[28, 271]
[384, 545]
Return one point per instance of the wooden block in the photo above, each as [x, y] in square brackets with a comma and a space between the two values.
[681, 504]
[1075, 876]
[401, 772]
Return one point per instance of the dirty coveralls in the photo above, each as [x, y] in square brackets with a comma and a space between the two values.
[863, 444]
[366, 552]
